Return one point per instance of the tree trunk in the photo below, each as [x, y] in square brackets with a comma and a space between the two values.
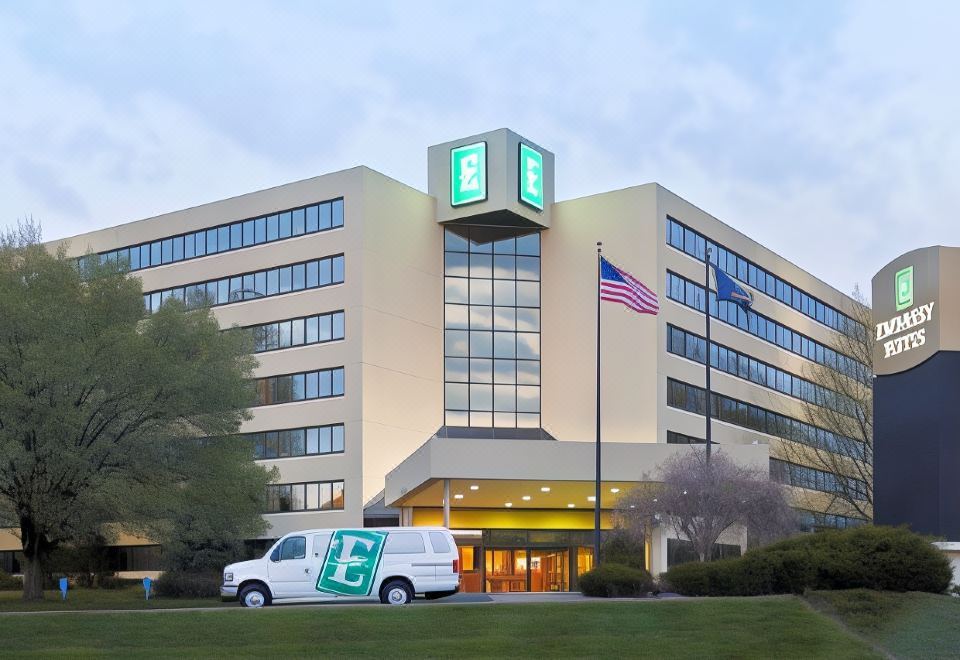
[32, 578]
[35, 550]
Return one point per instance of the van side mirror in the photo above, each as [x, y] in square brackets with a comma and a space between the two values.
[275, 555]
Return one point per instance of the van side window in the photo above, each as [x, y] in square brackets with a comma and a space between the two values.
[294, 547]
[320, 543]
[439, 542]
[399, 543]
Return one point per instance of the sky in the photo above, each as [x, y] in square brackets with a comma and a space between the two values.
[826, 131]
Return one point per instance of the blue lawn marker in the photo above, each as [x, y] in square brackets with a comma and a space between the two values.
[147, 583]
[63, 587]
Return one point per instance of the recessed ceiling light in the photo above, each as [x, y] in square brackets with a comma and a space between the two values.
[571, 506]
[525, 498]
[545, 489]
[474, 487]
[591, 498]
[614, 490]
[508, 504]
[458, 496]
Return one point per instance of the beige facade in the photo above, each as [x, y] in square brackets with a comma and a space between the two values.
[394, 341]
[393, 322]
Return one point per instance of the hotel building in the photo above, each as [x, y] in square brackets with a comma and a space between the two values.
[430, 358]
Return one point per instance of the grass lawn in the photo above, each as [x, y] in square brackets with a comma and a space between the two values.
[780, 627]
[127, 598]
[910, 625]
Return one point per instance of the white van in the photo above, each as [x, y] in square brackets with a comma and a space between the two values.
[391, 564]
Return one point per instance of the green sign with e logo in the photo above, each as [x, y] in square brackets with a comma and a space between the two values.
[904, 288]
[531, 176]
[468, 174]
[351, 563]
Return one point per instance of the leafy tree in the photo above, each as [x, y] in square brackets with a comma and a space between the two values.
[702, 499]
[101, 408]
[218, 507]
[844, 407]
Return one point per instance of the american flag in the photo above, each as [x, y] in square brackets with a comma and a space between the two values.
[620, 286]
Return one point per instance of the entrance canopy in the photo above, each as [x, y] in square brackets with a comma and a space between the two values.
[532, 474]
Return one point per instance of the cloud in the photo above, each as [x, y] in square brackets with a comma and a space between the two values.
[823, 130]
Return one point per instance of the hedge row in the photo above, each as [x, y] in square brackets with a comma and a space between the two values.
[10, 582]
[882, 558]
[610, 580]
[184, 584]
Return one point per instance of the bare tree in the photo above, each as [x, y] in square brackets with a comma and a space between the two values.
[701, 500]
[843, 406]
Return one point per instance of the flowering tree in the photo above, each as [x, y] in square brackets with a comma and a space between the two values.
[701, 500]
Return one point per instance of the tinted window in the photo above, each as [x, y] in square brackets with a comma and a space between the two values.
[404, 543]
[294, 547]
[439, 542]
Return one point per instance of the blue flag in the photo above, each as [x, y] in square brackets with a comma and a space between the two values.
[727, 289]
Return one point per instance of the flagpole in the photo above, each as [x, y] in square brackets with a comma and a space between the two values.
[706, 305]
[596, 503]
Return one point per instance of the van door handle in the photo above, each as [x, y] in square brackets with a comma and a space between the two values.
[306, 570]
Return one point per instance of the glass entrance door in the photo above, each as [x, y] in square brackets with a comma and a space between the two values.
[550, 570]
[506, 570]
[527, 569]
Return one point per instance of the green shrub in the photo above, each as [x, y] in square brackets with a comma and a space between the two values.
[184, 584]
[10, 582]
[611, 580]
[881, 558]
[621, 548]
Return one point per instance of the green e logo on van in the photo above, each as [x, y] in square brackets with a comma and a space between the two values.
[351, 563]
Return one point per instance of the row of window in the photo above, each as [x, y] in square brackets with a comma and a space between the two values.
[695, 244]
[746, 415]
[482, 370]
[694, 347]
[287, 224]
[315, 329]
[482, 317]
[486, 344]
[493, 398]
[689, 293]
[248, 286]
[486, 420]
[397, 543]
[321, 384]
[312, 496]
[812, 520]
[810, 478]
[491, 240]
[492, 266]
[312, 441]
[674, 438]
[503, 293]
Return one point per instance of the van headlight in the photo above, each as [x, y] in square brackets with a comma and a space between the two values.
[228, 577]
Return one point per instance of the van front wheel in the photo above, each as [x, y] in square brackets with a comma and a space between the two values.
[396, 592]
[254, 595]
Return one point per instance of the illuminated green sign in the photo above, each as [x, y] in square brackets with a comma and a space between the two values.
[468, 174]
[531, 176]
[904, 287]
[351, 562]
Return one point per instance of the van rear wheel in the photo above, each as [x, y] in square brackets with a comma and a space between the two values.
[396, 592]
